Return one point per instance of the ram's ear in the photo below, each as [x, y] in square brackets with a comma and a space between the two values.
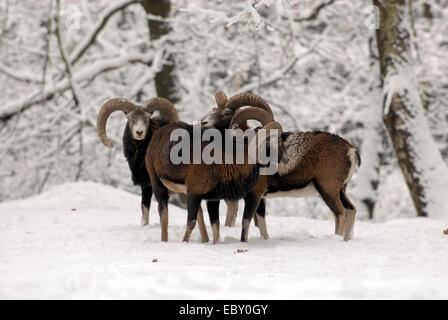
[128, 114]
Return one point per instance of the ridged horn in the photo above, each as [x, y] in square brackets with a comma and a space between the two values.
[251, 113]
[274, 125]
[221, 99]
[257, 141]
[267, 121]
[164, 106]
[112, 105]
[247, 99]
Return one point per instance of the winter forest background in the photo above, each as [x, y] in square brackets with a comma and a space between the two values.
[316, 62]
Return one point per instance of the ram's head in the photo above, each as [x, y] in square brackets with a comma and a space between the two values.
[222, 115]
[139, 117]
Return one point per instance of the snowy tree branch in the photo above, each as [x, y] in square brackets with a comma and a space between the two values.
[90, 39]
[281, 73]
[315, 12]
[18, 75]
[88, 73]
[68, 67]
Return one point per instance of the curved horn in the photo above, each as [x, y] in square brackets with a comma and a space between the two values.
[274, 125]
[258, 140]
[221, 99]
[266, 119]
[112, 105]
[252, 113]
[247, 99]
[164, 106]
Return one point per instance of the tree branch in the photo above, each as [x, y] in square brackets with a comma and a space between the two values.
[15, 74]
[88, 73]
[281, 73]
[285, 111]
[47, 47]
[68, 67]
[315, 12]
[81, 49]
[5, 22]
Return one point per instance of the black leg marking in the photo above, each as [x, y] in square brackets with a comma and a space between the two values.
[260, 219]
[261, 210]
[193, 203]
[213, 213]
[251, 202]
[346, 201]
[333, 201]
[146, 196]
[162, 196]
[146, 204]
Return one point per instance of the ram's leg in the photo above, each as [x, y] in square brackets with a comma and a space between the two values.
[330, 195]
[260, 211]
[251, 202]
[213, 213]
[202, 227]
[232, 211]
[340, 224]
[146, 204]
[162, 196]
[351, 214]
[255, 220]
[261, 219]
[193, 204]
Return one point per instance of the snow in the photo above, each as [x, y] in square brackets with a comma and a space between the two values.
[84, 241]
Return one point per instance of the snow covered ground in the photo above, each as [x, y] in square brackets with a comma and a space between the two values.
[84, 240]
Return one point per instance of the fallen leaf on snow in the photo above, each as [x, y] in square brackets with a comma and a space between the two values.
[155, 260]
[240, 251]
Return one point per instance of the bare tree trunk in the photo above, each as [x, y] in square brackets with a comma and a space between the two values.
[165, 79]
[420, 161]
[427, 11]
[368, 177]
[74, 89]
[369, 173]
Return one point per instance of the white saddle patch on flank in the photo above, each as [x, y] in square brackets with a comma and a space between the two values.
[308, 191]
[354, 161]
[295, 148]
